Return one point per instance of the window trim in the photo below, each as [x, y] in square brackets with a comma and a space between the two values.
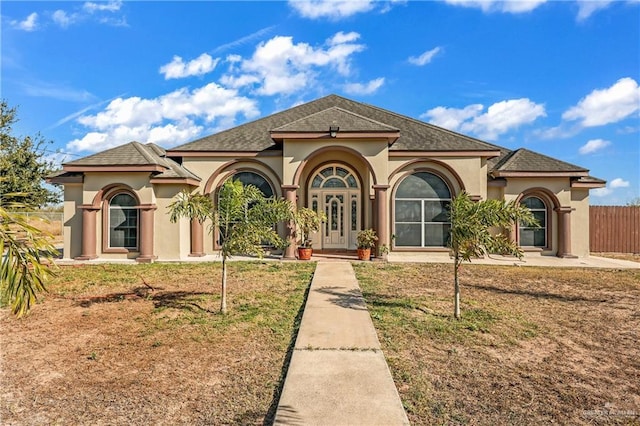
[423, 223]
[550, 206]
[106, 221]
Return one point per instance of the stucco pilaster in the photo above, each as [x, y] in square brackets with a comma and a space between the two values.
[564, 232]
[88, 231]
[290, 193]
[197, 239]
[147, 216]
[382, 217]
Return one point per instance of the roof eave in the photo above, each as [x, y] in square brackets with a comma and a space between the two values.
[391, 136]
[181, 181]
[463, 153]
[536, 174]
[115, 168]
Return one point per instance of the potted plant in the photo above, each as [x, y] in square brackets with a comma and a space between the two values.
[366, 240]
[307, 221]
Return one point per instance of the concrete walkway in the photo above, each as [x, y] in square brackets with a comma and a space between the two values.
[338, 374]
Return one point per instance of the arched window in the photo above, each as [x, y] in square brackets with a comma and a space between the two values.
[334, 177]
[534, 237]
[421, 208]
[123, 221]
[252, 178]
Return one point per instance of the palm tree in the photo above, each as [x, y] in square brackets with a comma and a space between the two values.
[244, 218]
[27, 256]
[471, 231]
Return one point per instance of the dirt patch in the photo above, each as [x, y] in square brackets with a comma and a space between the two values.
[104, 348]
[534, 346]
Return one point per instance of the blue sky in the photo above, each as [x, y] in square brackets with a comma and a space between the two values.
[557, 77]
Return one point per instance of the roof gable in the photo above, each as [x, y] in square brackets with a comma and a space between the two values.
[347, 121]
[133, 157]
[522, 161]
[415, 135]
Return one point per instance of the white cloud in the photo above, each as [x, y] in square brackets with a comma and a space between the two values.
[609, 189]
[593, 145]
[30, 23]
[601, 192]
[332, 9]
[364, 88]
[506, 6]
[280, 66]
[425, 58]
[452, 118]
[586, 8]
[62, 18]
[606, 106]
[168, 119]
[177, 68]
[499, 118]
[619, 183]
[110, 6]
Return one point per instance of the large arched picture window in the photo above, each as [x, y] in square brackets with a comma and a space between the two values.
[252, 178]
[530, 236]
[421, 208]
[123, 221]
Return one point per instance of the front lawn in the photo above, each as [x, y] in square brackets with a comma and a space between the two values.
[144, 344]
[534, 346]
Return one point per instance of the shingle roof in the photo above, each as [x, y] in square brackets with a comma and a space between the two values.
[135, 154]
[415, 135]
[523, 160]
[347, 121]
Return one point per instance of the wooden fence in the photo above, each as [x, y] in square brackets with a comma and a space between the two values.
[614, 229]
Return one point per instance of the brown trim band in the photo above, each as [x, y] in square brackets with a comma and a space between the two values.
[539, 174]
[209, 154]
[126, 168]
[428, 154]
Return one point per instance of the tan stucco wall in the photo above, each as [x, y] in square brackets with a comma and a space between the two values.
[302, 158]
[580, 222]
[172, 241]
[72, 231]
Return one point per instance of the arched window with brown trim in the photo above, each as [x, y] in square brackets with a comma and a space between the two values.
[421, 211]
[123, 221]
[535, 236]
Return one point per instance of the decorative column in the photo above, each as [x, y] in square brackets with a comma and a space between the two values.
[147, 215]
[564, 232]
[290, 194]
[382, 219]
[88, 231]
[197, 232]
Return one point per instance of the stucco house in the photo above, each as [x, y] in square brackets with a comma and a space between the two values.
[364, 166]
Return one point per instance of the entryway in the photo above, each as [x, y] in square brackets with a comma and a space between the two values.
[335, 190]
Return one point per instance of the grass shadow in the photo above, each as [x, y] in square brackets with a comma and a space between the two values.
[174, 299]
[273, 407]
[535, 294]
[351, 299]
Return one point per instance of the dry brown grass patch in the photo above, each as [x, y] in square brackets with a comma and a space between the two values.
[104, 348]
[534, 346]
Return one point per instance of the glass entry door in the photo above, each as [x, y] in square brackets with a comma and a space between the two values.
[335, 191]
[335, 228]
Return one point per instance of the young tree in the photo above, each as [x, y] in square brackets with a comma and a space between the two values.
[471, 231]
[22, 165]
[27, 254]
[244, 218]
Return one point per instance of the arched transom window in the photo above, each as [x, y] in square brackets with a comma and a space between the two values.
[530, 236]
[123, 221]
[334, 177]
[252, 178]
[421, 206]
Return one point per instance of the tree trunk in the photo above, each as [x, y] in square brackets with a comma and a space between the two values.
[223, 295]
[456, 265]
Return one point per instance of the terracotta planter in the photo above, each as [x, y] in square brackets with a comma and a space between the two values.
[364, 254]
[304, 253]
